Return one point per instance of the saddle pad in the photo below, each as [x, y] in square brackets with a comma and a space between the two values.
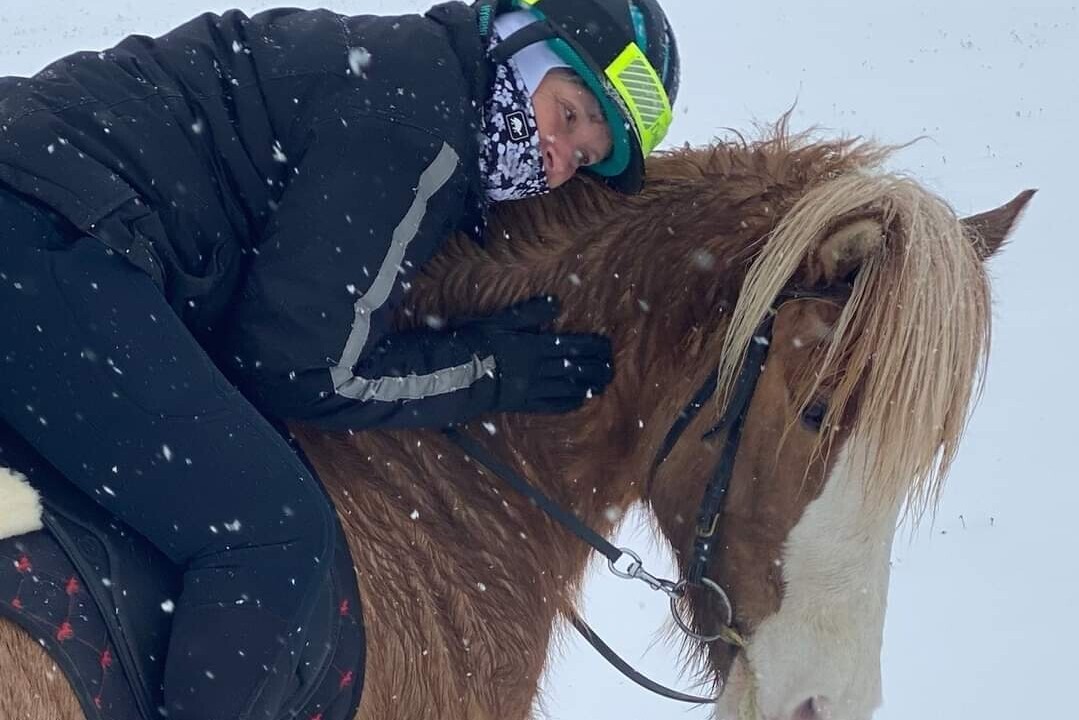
[41, 592]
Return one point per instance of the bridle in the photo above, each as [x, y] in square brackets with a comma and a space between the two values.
[732, 421]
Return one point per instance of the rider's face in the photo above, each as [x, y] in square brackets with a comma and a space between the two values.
[573, 132]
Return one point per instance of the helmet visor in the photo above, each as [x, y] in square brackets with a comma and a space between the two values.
[643, 94]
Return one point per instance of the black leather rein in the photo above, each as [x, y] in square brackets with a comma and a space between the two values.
[732, 420]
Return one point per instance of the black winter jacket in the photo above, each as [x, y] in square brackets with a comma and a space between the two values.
[281, 177]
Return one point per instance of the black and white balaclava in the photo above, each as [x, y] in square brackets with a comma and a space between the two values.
[510, 160]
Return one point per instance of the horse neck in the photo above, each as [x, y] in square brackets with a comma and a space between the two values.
[659, 274]
[649, 285]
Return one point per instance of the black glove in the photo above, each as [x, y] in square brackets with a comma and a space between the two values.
[541, 372]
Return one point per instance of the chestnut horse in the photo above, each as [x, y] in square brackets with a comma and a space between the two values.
[876, 351]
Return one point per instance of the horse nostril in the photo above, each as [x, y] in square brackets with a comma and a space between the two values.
[815, 708]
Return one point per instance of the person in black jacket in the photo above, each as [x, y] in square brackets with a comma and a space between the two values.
[211, 228]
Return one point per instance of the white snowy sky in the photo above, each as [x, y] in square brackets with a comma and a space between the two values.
[982, 620]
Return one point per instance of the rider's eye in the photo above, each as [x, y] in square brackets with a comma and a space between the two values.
[813, 415]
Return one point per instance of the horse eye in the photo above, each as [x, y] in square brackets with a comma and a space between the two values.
[813, 416]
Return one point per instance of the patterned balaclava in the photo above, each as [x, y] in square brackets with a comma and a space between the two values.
[510, 160]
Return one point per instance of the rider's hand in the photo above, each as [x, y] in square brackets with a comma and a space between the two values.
[539, 371]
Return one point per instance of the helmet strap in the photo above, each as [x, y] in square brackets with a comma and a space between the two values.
[539, 31]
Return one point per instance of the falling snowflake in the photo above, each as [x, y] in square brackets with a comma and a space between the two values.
[612, 513]
[278, 153]
[704, 260]
[358, 60]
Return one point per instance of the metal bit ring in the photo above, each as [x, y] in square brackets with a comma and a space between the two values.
[726, 633]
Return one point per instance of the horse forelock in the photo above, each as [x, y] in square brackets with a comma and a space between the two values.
[910, 345]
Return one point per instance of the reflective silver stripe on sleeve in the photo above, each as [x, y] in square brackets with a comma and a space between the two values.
[411, 387]
[417, 387]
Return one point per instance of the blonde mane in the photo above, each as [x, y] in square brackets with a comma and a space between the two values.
[911, 341]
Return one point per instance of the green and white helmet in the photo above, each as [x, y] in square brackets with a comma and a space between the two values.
[626, 53]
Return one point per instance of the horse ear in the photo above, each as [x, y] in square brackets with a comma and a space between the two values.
[991, 229]
[841, 254]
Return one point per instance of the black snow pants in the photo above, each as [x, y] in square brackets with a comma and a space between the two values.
[103, 378]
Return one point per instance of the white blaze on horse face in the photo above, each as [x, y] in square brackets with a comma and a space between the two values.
[818, 657]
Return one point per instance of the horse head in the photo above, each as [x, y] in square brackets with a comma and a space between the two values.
[878, 304]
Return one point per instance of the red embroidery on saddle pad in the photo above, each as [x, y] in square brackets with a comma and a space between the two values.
[22, 567]
[38, 592]
[71, 589]
[65, 631]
